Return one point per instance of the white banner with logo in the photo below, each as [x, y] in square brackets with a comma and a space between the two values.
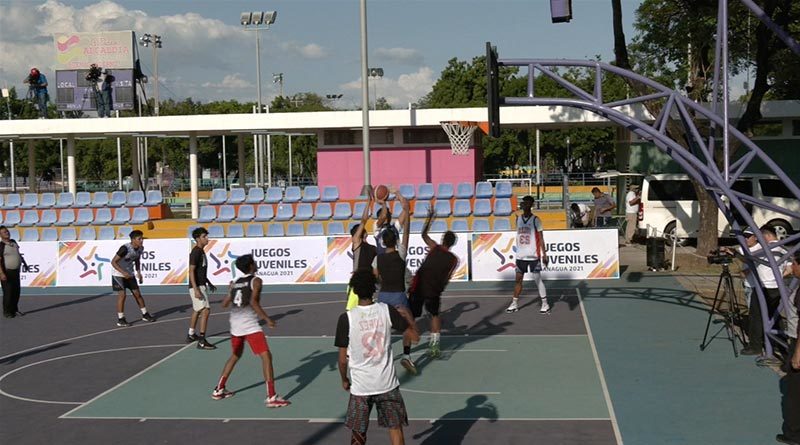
[88, 263]
[78, 50]
[279, 260]
[573, 254]
[41, 258]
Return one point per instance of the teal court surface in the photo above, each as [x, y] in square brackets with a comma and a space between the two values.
[616, 362]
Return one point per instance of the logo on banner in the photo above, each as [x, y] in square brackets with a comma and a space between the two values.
[91, 264]
[505, 255]
[220, 253]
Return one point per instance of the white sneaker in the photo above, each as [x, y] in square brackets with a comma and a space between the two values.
[545, 309]
[276, 401]
[512, 307]
[407, 363]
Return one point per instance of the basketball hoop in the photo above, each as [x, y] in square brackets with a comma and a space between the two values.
[460, 134]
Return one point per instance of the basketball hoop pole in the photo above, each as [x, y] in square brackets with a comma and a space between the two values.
[365, 99]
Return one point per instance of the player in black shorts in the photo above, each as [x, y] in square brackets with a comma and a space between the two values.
[124, 262]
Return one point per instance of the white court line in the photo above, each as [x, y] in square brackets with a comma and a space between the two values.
[596, 357]
[26, 399]
[454, 393]
[63, 416]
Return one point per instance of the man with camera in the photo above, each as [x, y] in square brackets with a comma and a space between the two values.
[102, 80]
[37, 90]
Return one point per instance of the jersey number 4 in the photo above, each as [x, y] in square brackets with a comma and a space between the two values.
[239, 300]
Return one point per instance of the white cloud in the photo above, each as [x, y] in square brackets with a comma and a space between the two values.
[400, 55]
[398, 91]
[309, 51]
[230, 82]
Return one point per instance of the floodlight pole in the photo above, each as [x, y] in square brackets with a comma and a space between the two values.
[365, 97]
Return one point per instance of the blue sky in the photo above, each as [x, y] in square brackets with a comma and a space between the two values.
[314, 43]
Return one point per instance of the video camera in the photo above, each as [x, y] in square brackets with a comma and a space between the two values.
[94, 73]
[719, 257]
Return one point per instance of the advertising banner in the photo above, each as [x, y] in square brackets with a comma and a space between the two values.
[88, 263]
[573, 254]
[41, 260]
[78, 50]
[279, 260]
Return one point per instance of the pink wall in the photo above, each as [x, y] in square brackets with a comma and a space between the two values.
[345, 167]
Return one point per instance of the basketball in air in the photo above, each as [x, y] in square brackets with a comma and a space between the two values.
[381, 192]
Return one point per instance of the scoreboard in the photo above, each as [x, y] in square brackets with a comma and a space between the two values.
[75, 93]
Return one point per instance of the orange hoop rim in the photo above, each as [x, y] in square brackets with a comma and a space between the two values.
[483, 125]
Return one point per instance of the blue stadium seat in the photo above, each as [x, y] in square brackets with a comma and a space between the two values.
[218, 197]
[264, 212]
[29, 201]
[246, 213]
[30, 235]
[237, 196]
[285, 212]
[480, 225]
[135, 198]
[13, 218]
[358, 209]
[502, 190]
[68, 234]
[275, 229]
[502, 206]
[87, 234]
[48, 218]
[103, 216]
[459, 225]
[323, 212]
[295, 229]
[330, 193]
[425, 191]
[462, 207]
[444, 190]
[464, 190]
[442, 209]
[29, 218]
[14, 233]
[140, 215]
[483, 189]
[483, 207]
[421, 209]
[1, 216]
[235, 231]
[65, 200]
[350, 226]
[407, 190]
[336, 228]
[255, 231]
[118, 199]
[47, 200]
[2, 200]
[342, 211]
[154, 198]
[216, 231]
[397, 209]
[439, 226]
[122, 215]
[13, 201]
[304, 212]
[66, 217]
[49, 234]
[501, 224]
[292, 194]
[226, 213]
[207, 214]
[274, 195]
[83, 199]
[416, 226]
[311, 193]
[315, 229]
[100, 199]
[255, 195]
[106, 233]
[124, 232]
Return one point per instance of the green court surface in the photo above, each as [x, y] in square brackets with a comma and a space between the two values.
[558, 372]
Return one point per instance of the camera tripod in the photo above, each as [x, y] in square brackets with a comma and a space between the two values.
[732, 317]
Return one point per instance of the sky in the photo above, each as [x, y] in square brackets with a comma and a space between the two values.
[207, 55]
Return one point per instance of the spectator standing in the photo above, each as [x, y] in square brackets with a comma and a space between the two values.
[632, 202]
[10, 263]
[37, 85]
[603, 205]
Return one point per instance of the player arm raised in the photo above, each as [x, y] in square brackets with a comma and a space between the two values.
[425, 227]
[255, 303]
[404, 218]
[362, 227]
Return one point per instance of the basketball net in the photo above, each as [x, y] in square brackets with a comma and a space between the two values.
[460, 134]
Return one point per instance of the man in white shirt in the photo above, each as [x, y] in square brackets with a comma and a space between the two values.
[632, 203]
[531, 254]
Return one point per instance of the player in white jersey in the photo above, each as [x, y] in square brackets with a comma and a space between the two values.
[531, 254]
[245, 295]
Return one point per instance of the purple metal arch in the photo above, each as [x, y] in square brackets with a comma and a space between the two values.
[704, 170]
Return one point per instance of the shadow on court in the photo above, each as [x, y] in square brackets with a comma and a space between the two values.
[678, 297]
[67, 303]
[13, 358]
[452, 428]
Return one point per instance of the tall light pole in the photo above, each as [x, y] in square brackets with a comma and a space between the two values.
[278, 78]
[365, 97]
[376, 73]
[256, 21]
[154, 40]
[333, 98]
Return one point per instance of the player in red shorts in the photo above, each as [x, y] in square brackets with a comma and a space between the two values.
[245, 295]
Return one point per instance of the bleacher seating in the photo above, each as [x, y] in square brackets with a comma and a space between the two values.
[275, 230]
[255, 230]
[29, 201]
[462, 207]
[2, 200]
[501, 224]
[480, 225]
[14, 234]
[255, 195]
[65, 200]
[315, 229]
[295, 229]
[106, 233]
[103, 216]
[274, 195]
[483, 189]
[439, 226]
[13, 218]
[323, 211]
[502, 190]
[330, 193]
[82, 199]
[49, 234]
[341, 211]
[87, 234]
[47, 200]
[235, 231]
[358, 209]
[48, 218]
[483, 207]
[216, 231]
[311, 193]
[237, 196]
[100, 199]
[227, 213]
[459, 225]
[189, 231]
[124, 232]
[140, 215]
[442, 209]
[30, 235]
[207, 214]
[29, 218]
[502, 206]
[135, 198]
[304, 212]
[336, 228]
[154, 198]
[13, 201]
[464, 190]
[218, 196]
[407, 190]
[285, 212]
[66, 217]
[350, 226]
[246, 213]
[122, 215]
[68, 234]
[118, 199]
[292, 194]
[444, 190]
[425, 191]
[416, 226]
[264, 212]
[421, 209]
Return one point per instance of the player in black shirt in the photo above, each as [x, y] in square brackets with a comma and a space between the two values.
[199, 285]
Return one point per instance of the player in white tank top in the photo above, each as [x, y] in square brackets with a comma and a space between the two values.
[531, 253]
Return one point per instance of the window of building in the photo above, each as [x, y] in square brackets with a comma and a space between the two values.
[425, 136]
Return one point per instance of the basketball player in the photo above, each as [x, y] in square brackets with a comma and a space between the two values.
[245, 294]
[531, 253]
[385, 222]
[199, 285]
[363, 252]
[123, 264]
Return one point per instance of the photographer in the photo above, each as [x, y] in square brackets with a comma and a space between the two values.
[37, 88]
[102, 80]
[579, 215]
[748, 279]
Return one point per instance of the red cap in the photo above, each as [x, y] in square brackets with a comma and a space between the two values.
[34, 71]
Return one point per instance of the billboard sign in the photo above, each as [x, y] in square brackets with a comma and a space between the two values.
[78, 50]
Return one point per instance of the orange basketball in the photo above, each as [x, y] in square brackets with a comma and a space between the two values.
[381, 192]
